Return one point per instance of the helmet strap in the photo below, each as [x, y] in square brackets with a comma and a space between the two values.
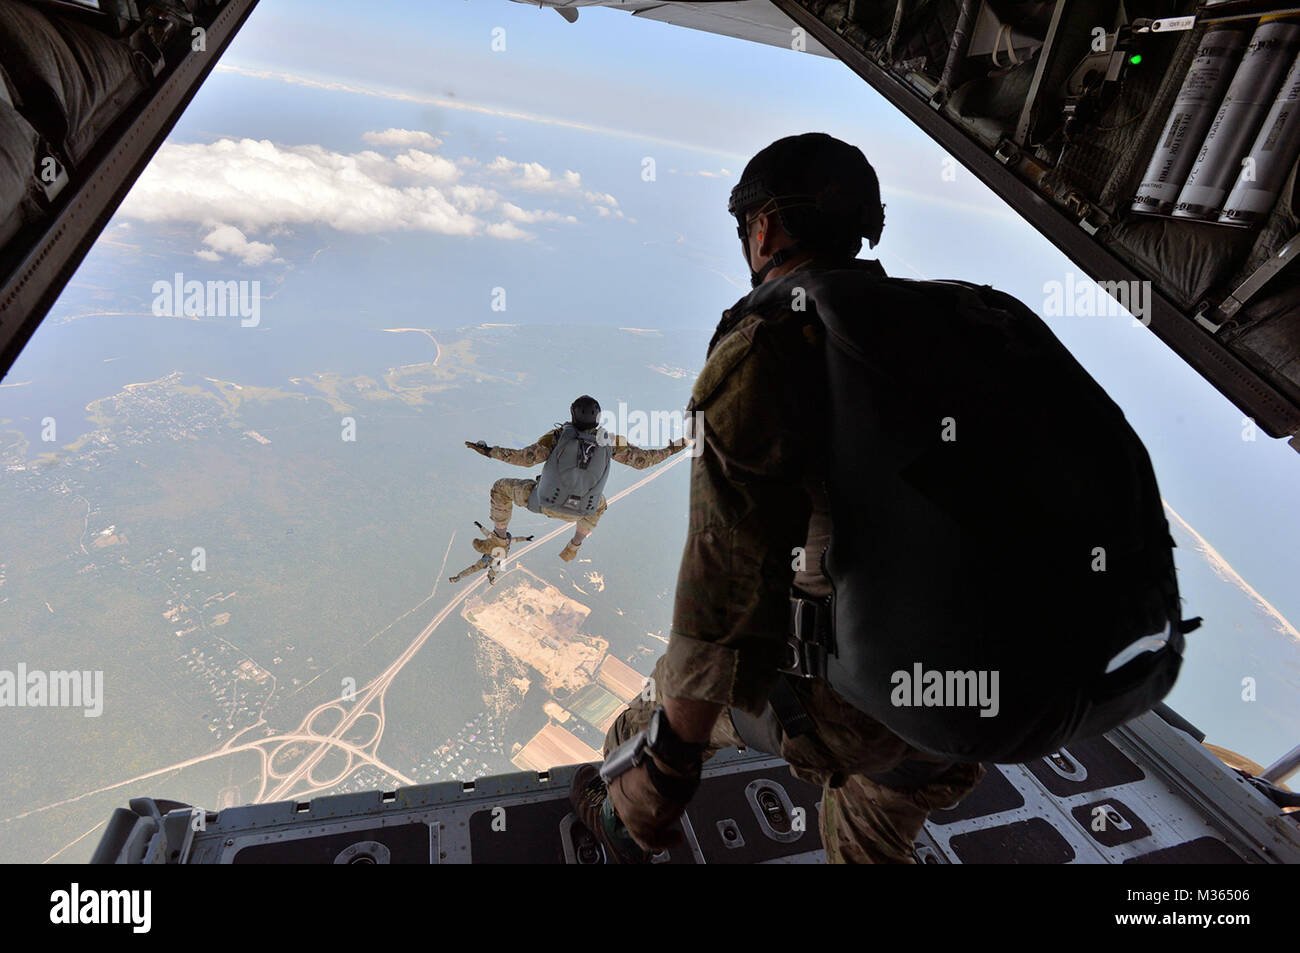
[780, 257]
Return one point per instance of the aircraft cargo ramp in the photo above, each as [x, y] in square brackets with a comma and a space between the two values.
[1147, 793]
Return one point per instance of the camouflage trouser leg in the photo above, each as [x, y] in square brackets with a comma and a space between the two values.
[637, 715]
[588, 523]
[506, 495]
[867, 823]
[862, 822]
[478, 565]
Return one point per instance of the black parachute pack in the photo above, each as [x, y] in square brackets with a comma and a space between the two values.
[1002, 568]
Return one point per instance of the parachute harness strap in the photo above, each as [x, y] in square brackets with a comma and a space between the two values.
[586, 450]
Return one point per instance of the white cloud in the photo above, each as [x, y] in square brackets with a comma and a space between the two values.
[228, 240]
[401, 137]
[536, 177]
[473, 198]
[430, 166]
[517, 214]
[247, 187]
[506, 230]
[706, 173]
[257, 185]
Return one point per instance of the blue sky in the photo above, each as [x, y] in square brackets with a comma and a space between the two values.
[311, 85]
[718, 100]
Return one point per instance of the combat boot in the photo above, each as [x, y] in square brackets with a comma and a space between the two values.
[590, 800]
[569, 551]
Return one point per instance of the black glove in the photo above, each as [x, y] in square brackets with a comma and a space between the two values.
[479, 447]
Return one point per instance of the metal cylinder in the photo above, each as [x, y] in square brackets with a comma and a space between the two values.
[1198, 100]
[1269, 55]
[1265, 170]
[961, 36]
[1284, 767]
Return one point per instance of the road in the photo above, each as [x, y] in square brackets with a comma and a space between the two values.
[296, 781]
[376, 689]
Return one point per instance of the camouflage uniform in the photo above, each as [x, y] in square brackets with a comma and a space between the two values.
[757, 494]
[507, 493]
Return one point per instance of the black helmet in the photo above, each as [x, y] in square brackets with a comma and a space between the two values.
[822, 190]
[584, 412]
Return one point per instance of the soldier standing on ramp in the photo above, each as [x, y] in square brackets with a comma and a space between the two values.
[803, 203]
[824, 393]
[571, 486]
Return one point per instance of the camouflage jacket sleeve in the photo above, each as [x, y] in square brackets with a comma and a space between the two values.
[749, 510]
[633, 456]
[529, 456]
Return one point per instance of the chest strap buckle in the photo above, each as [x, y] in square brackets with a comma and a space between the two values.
[809, 640]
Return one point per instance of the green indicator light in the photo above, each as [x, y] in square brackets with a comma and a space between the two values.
[1135, 59]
